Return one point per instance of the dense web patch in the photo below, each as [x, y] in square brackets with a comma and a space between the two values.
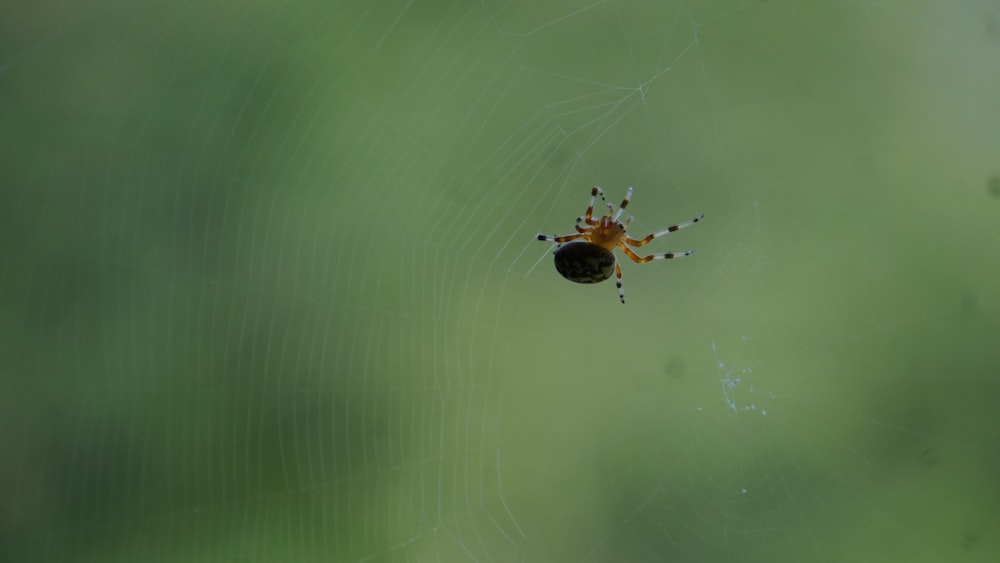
[272, 287]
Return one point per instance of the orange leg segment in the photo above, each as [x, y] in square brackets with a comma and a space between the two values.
[664, 256]
[649, 238]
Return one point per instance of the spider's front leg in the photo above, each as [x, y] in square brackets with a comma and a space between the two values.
[628, 198]
[588, 217]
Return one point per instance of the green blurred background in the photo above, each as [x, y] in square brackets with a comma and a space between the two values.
[270, 288]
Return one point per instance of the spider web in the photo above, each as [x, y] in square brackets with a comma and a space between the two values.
[271, 287]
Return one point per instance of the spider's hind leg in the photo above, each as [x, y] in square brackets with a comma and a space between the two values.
[561, 238]
[648, 238]
[618, 282]
[662, 256]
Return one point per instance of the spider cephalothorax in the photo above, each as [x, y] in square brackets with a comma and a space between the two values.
[593, 259]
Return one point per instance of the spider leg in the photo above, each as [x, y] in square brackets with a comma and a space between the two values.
[628, 198]
[583, 227]
[667, 231]
[618, 281]
[562, 238]
[588, 217]
[664, 256]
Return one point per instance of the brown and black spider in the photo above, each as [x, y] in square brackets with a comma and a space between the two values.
[593, 259]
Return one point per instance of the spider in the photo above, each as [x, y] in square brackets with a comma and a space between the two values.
[593, 259]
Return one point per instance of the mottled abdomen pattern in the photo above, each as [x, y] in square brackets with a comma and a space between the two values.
[584, 262]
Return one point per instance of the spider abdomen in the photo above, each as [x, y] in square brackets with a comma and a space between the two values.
[585, 262]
